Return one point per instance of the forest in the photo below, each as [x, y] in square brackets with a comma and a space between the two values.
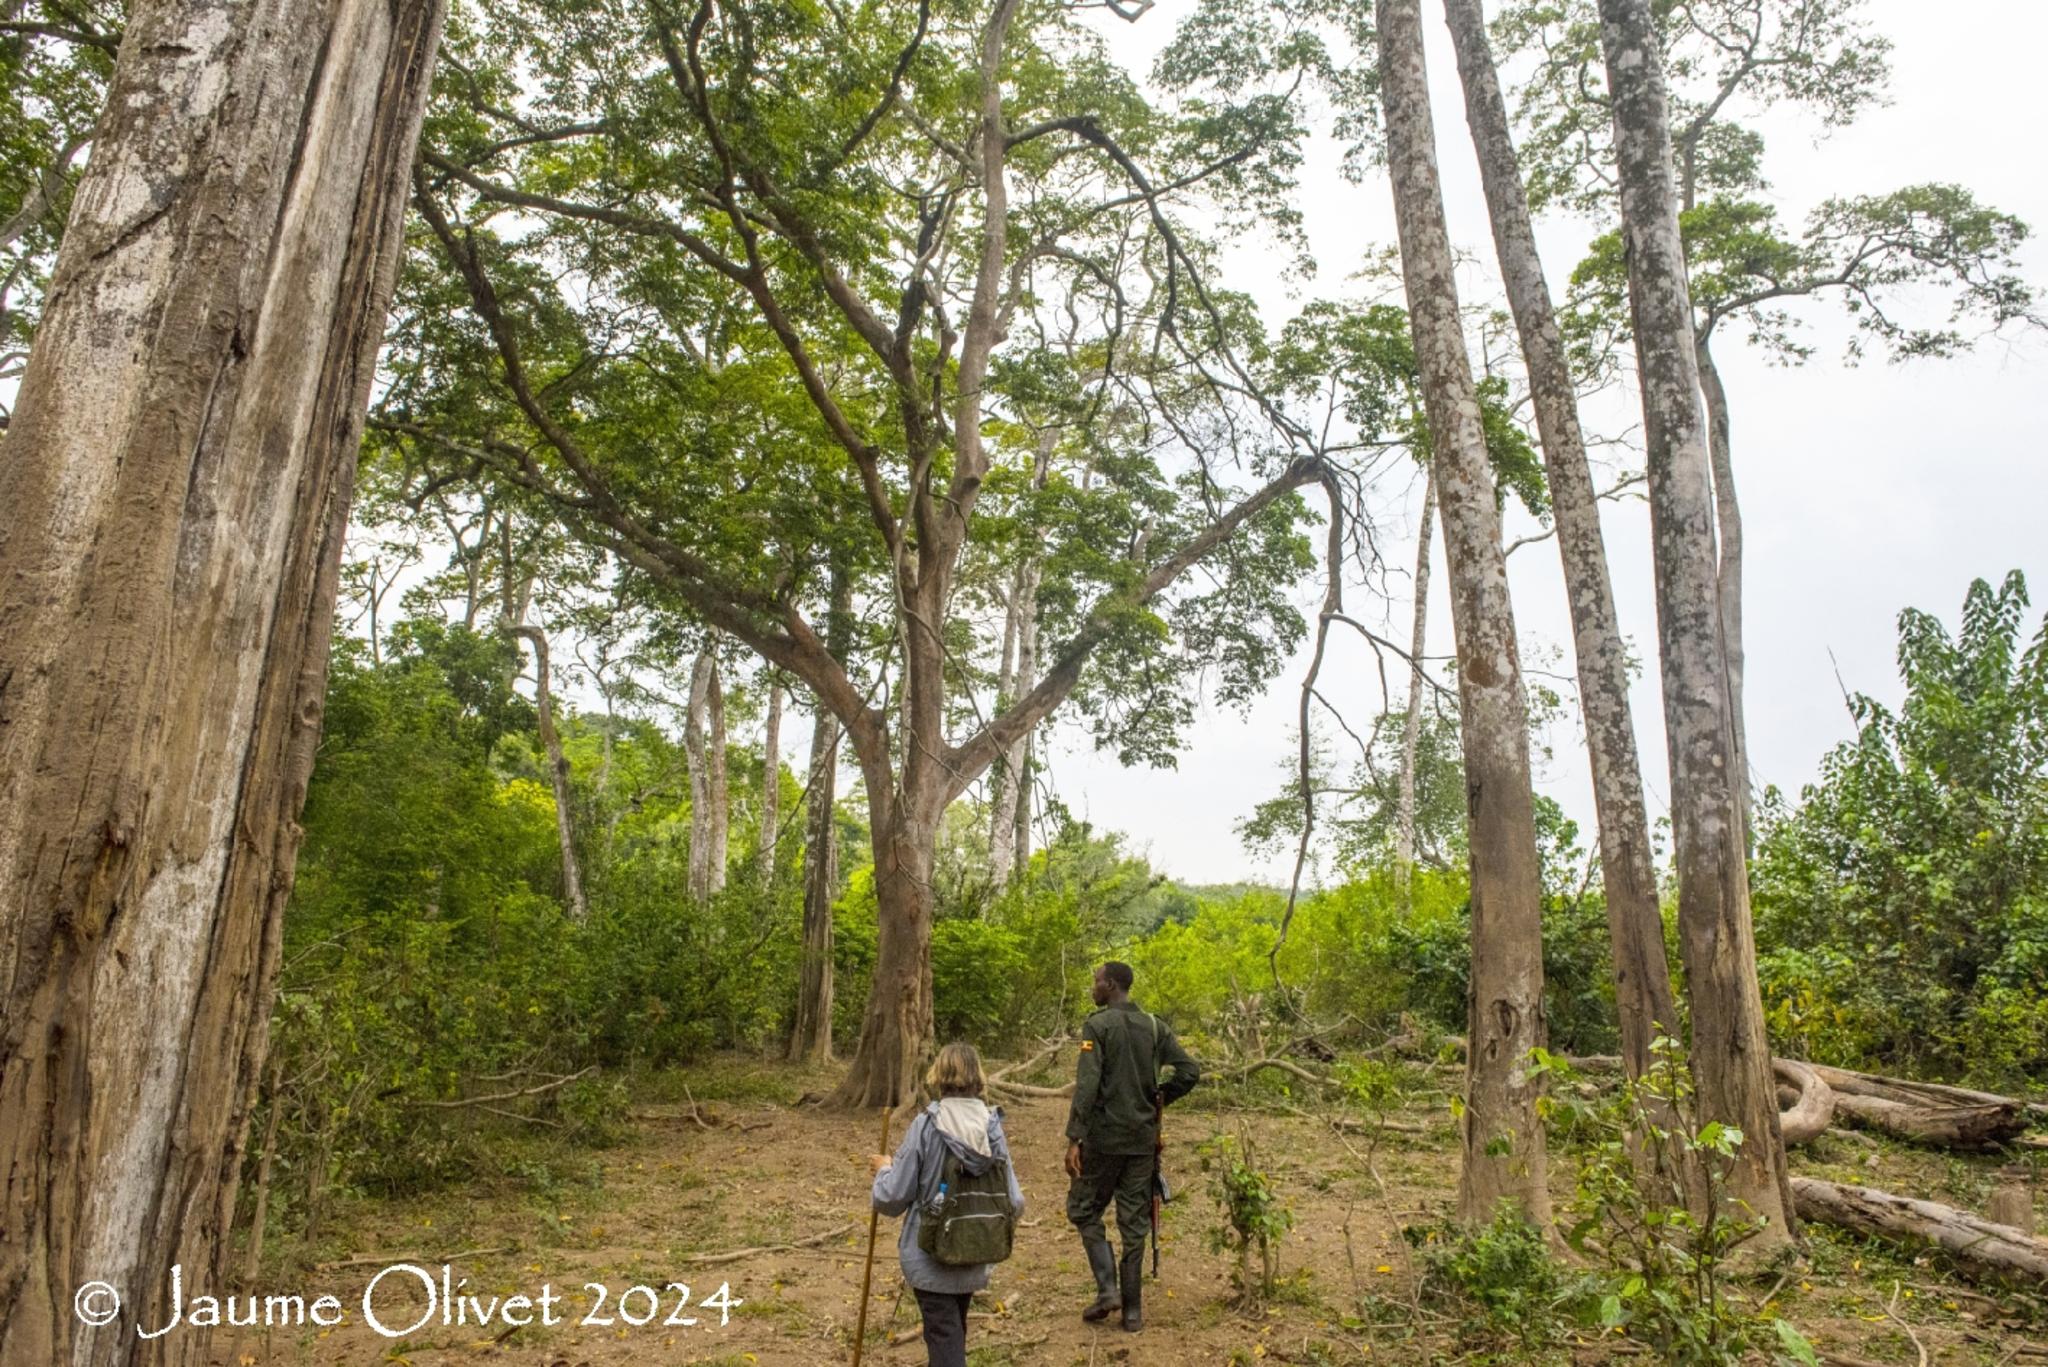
[584, 585]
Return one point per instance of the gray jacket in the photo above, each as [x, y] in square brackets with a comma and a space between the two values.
[911, 1182]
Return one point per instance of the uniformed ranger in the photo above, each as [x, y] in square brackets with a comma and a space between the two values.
[1113, 1135]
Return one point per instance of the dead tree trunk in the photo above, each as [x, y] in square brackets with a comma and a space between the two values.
[1730, 1057]
[1503, 1143]
[1977, 1243]
[177, 479]
[1642, 977]
[558, 772]
[771, 782]
[1411, 726]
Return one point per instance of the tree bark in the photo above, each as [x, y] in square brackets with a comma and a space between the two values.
[1977, 1243]
[810, 1040]
[1728, 565]
[177, 480]
[558, 773]
[1411, 726]
[720, 851]
[1642, 976]
[1009, 828]
[896, 1028]
[1503, 1142]
[696, 756]
[1730, 1057]
[771, 783]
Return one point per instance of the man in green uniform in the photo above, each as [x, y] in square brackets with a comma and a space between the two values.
[1113, 1135]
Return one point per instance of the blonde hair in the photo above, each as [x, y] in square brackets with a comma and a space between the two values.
[956, 1071]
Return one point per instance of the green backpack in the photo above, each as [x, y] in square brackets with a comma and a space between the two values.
[972, 1221]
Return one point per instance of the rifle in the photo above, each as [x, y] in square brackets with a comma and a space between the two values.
[1160, 1195]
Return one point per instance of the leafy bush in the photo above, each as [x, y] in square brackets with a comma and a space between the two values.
[1253, 1219]
[1902, 905]
[1502, 1281]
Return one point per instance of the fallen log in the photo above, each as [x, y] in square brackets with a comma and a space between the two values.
[1925, 1112]
[1975, 1242]
[1899, 1089]
[1812, 1108]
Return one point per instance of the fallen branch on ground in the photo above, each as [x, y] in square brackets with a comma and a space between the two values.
[490, 1097]
[1974, 1242]
[1030, 1064]
[1243, 1071]
[734, 1255]
[382, 1259]
[1026, 1089]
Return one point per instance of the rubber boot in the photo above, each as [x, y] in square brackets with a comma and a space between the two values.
[1133, 1278]
[1102, 1262]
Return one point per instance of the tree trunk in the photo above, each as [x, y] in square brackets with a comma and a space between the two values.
[896, 1028]
[1010, 822]
[810, 1041]
[1977, 1243]
[1728, 566]
[1730, 1057]
[1642, 975]
[1502, 1135]
[696, 756]
[177, 479]
[558, 773]
[811, 1038]
[1411, 726]
[718, 855]
[771, 782]
[1020, 839]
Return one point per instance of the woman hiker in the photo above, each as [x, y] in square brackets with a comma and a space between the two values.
[959, 1126]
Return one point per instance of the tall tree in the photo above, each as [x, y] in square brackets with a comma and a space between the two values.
[1010, 821]
[1502, 1135]
[1411, 724]
[771, 781]
[1642, 977]
[704, 743]
[1726, 61]
[177, 475]
[558, 772]
[1731, 1057]
[810, 1039]
[800, 222]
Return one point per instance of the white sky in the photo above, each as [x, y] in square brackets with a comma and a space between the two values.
[1864, 489]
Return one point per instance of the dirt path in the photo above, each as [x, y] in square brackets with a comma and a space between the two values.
[637, 1214]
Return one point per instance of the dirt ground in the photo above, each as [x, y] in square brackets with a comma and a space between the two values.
[769, 1172]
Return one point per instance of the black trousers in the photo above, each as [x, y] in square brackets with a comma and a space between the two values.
[945, 1326]
[1125, 1179]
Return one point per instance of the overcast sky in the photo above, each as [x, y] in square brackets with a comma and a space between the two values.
[1864, 489]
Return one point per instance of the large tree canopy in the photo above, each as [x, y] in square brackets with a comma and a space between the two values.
[743, 295]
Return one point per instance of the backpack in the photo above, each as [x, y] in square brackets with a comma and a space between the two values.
[972, 1221]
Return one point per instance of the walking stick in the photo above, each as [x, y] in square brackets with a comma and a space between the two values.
[867, 1276]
